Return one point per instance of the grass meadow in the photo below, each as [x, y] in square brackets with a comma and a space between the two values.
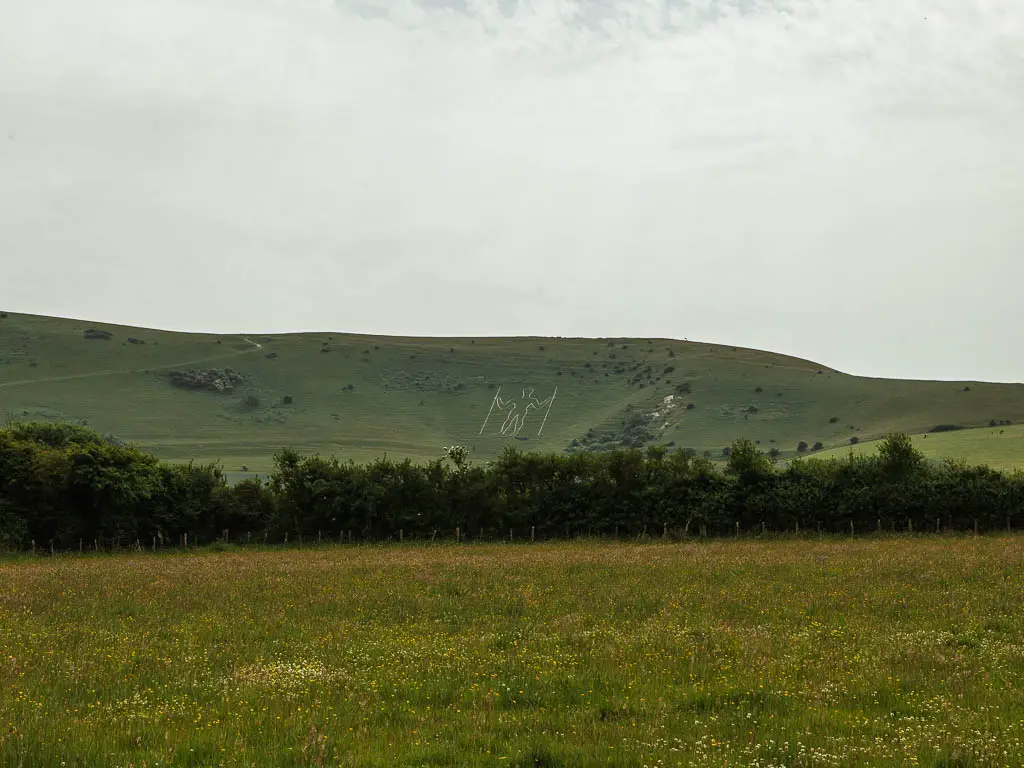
[796, 652]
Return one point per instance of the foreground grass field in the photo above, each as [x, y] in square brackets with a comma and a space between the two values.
[903, 651]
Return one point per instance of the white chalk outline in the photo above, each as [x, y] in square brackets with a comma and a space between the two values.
[514, 421]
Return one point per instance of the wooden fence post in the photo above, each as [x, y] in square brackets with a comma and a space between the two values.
[532, 529]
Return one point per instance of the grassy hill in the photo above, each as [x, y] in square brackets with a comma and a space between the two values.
[360, 396]
[1000, 447]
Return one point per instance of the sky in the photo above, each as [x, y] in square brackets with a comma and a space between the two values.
[841, 180]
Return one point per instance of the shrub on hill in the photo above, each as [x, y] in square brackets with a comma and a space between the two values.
[819, 446]
[945, 428]
[218, 380]
[802, 446]
[95, 333]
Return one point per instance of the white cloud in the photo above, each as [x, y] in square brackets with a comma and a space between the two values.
[821, 177]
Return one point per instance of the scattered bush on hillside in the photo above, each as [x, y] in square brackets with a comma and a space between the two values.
[726, 452]
[324, 350]
[668, 369]
[819, 446]
[758, 390]
[3, 315]
[423, 381]
[684, 388]
[133, 340]
[348, 388]
[967, 389]
[1000, 423]
[774, 453]
[854, 440]
[271, 356]
[95, 333]
[833, 420]
[218, 380]
[690, 406]
[802, 446]
[945, 428]
[251, 401]
[287, 400]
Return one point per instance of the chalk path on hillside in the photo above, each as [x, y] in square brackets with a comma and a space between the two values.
[97, 374]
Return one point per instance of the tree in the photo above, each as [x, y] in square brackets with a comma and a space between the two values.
[819, 446]
[802, 446]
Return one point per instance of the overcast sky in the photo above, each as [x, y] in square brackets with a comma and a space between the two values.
[841, 180]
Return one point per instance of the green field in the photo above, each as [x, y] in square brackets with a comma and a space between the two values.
[999, 447]
[360, 397]
[890, 652]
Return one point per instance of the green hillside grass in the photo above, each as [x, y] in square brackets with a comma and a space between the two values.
[999, 447]
[411, 396]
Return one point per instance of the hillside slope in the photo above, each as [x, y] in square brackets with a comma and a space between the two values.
[360, 396]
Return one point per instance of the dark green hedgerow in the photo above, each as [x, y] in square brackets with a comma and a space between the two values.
[73, 487]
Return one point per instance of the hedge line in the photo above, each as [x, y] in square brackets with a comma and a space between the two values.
[70, 486]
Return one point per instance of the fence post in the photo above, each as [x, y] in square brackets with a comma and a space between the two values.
[975, 526]
[737, 529]
[664, 531]
[51, 546]
[319, 537]
[937, 525]
[286, 537]
[401, 535]
[797, 527]
[33, 546]
[532, 530]
[458, 534]
[186, 541]
[79, 546]
[154, 543]
[851, 528]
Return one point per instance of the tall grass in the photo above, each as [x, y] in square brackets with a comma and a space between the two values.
[893, 651]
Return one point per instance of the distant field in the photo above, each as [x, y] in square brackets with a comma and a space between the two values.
[889, 652]
[999, 447]
[360, 397]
